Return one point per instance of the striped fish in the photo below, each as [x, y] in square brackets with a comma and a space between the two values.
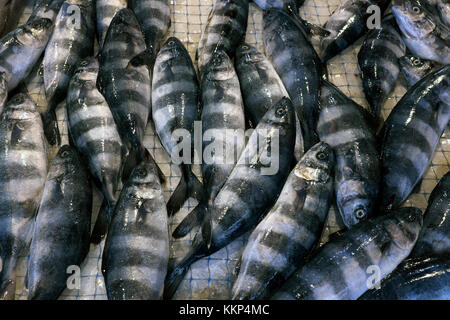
[346, 25]
[3, 91]
[411, 133]
[106, 9]
[23, 164]
[72, 40]
[136, 251]
[286, 235]
[249, 191]
[261, 87]
[46, 9]
[21, 49]
[61, 233]
[298, 65]
[345, 268]
[175, 106]
[124, 80]
[223, 110]
[414, 69]
[346, 127]
[424, 278]
[224, 30]
[378, 62]
[154, 17]
[94, 132]
[435, 235]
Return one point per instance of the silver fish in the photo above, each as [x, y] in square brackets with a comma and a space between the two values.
[414, 68]
[106, 9]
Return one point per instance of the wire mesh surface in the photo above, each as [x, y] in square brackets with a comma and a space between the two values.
[213, 276]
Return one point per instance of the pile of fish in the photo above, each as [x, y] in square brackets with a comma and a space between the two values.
[308, 149]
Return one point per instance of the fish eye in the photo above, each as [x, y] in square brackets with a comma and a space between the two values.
[171, 43]
[64, 154]
[280, 111]
[36, 24]
[360, 213]
[245, 47]
[142, 172]
[322, 155]
[416, 62]
[84, 63]
[411, 218]
[416, 9]
[18, 99]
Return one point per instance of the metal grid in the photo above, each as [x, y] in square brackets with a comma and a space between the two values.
[212, 277]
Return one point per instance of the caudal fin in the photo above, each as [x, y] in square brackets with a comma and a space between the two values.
[102, 223]
[8, 280]
[189, 186]
[192, 220]
[51, 129]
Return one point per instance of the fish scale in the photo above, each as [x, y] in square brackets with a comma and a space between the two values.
[136, 250]
[61, 233]
[94, 131]
[346, 127]
[290, 229]
[378, 62]
[414, 126]
[105, 10]
[23, 163]
[224, 30]
[339, 269]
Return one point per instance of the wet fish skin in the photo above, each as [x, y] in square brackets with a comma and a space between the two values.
[61, 233]
[346, 127]
[3, 91]
[224, 30]
[288, 232]
[137, 245]
[94, 131]
[299, 69]
[21, 49]
[154, 18]
[414, 126]
[46, 9]
[126, 85]
[423, 33]
[378, 62]
[105, 11]
[23, 163]
[346, 25]
[423, 278]
[434, 239]
[222, 109]
[175, 106]
[414, 68]
[339, 271]
[248, 192]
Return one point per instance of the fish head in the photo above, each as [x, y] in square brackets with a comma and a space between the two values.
[172, 51]
[317, 164]
[246, 53]
[174, 48]
[404, 227]
[67, 161]
[413, 19]
[281, 115]
[354, 201]
[415, 66]
[145, 175]
[87, 69]
[220, 67]
[20, 107]
[38, 29]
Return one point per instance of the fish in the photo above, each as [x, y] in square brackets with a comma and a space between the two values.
[414, 68]
[298, 66]
[154, 18]
[224, 30]
[261, 87]
[443, 7]
[72, 40]
[346, 25]
[136, 252]
[348, 128]
[105, 11]
[423, 33]
[10, 13]
[23, 163]
[349, 265]
[125, 82]
[223, 125]
[21, 49]
[251, 189]
[95, 134]
[46, 9]
[62, 227]
[379, 64]
[3, 91]
[423, 278]
[410, 136]
[434, 238]
[283, 239]
[175, 106]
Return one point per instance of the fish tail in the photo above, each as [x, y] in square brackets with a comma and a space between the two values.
[51, 129]
[189, 186]
[102, 223]
[193, 219]
[8, 280]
